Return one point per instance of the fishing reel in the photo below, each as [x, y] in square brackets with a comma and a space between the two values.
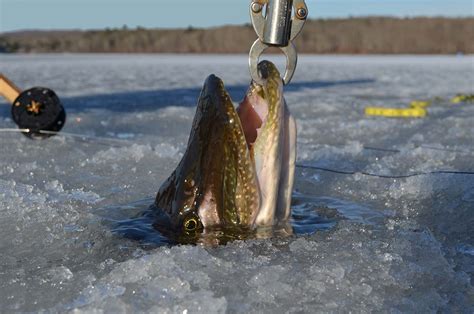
[37, 111]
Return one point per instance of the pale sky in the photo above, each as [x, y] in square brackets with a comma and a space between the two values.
[97, 14]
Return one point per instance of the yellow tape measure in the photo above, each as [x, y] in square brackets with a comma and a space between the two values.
[420, 103]
[462, 98]
[396, 112]
[417, 108]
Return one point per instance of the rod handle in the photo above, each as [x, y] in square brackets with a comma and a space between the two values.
[8, 90]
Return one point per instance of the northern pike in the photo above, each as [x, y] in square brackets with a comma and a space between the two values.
[238, 169]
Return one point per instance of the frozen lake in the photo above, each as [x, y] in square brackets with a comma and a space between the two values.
[390, 238]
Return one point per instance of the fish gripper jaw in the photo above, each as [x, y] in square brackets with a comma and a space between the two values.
[277, 23]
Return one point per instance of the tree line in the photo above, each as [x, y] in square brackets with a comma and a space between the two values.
[370, 35]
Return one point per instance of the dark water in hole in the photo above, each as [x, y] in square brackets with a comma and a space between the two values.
[135, 221]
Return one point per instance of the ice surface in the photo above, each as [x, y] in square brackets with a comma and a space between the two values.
[384, 245]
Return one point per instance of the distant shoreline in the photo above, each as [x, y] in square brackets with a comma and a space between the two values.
[353, 36]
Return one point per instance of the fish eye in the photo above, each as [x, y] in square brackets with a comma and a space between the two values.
[191, 224]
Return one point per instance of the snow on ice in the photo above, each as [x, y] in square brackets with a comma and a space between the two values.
[388, 244]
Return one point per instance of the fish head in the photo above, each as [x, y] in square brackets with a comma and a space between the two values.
[218, 182]
[215, 182]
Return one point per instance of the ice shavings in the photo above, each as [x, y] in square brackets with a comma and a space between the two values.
[136, 153]
[57, 194]
[395, 244]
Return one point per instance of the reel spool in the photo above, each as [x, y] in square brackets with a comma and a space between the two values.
[34, 110]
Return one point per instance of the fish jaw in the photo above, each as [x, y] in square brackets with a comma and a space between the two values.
[215, 183]
[273, 147]
[287, 175]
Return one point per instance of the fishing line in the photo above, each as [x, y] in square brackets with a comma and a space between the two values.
[125, 142]
[369, 174]
[106, 141]
[388, 150]
[446, 149]
[81, 137]
[395, 150]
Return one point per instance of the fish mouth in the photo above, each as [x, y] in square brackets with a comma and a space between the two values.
[217, 184]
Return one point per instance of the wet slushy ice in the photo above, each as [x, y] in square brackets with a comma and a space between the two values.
[369, 235]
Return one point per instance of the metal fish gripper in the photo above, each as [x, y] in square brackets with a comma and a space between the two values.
[277, 23]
